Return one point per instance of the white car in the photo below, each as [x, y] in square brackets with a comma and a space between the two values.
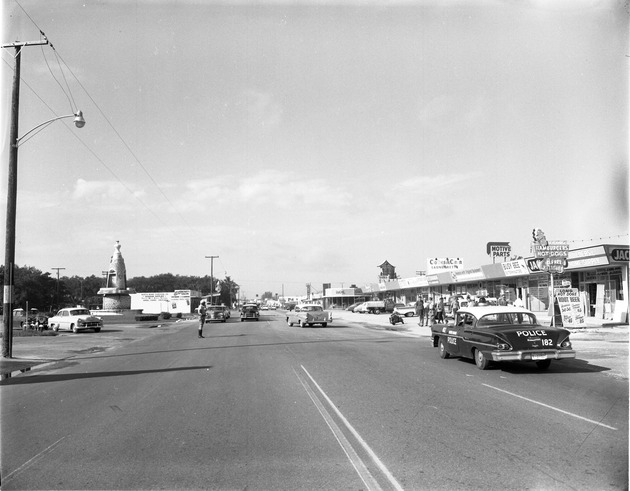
[75, 319]
[361, 308]
[405, 310]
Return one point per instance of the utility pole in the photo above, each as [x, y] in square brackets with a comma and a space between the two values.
[9, 258]
[57, 299]
[212, 258]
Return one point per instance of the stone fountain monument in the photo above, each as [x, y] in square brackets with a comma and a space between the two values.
[116, 295]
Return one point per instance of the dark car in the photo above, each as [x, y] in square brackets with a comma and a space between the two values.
[249, 311]
[216, 313]
[496, 334]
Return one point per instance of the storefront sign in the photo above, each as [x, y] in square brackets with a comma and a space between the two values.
[155, 297]
[443, 264]
[620, 254]
[553, 248]
[515, 268]
[570, 307]
[499, 249]
[470, 275]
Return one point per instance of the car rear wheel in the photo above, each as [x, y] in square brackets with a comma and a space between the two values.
[55, 327]
[97, 329]
[442, 349]
[377, 311]
[409, 314]
[543, 364]
[324, 324]
[480, 360]
[289, 322]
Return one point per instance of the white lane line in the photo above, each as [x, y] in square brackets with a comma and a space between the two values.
[33, 460]
[392, 480]
[552, 407]
[355, 460]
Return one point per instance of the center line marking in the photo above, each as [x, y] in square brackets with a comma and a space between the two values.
[551, 407]
[392, 480]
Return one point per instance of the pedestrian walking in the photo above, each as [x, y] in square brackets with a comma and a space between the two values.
[420, 310]
[439, 311]
[454, 307]
[431, 313]
[202, 310]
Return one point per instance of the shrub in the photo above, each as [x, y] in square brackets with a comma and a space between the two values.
[147, 317]
[166, 315]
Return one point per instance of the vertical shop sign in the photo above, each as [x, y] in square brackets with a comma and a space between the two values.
[570, 307]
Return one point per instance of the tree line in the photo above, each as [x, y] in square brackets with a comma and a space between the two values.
[45, 293]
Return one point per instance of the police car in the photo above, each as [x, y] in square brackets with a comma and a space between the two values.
[497, 334]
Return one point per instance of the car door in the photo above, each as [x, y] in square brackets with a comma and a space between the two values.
[466, 334]
[64, 322]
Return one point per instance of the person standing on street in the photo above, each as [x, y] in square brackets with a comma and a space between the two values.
[431, 312]
[202, 316]
[454, 307]
[420, 310]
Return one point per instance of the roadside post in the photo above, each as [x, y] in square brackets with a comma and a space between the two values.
[554, 254]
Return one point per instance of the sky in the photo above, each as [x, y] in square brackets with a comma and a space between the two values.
[309, 142]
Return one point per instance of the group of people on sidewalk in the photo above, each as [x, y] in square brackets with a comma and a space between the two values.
[434, 312]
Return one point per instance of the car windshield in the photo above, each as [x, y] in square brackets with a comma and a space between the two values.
[503, 318]
[311, 308]
[250, 308]
[80, 312]
[216, 307]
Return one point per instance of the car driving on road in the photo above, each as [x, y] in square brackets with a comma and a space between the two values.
[307, 315]
[75, 320]
[497, 334]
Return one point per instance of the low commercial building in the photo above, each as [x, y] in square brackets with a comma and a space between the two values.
[599, 275]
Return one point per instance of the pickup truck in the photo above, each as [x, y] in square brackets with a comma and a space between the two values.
[378, 306]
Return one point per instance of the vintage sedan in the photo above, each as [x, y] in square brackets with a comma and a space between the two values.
[405, 310]
[249, 311]
[497, 334]
[75, 319]
[216, 313]
[308, 315]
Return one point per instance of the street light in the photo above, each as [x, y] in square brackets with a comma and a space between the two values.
[14, 141]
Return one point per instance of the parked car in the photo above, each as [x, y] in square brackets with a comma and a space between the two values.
[216, 313]
[352, 306]
[497, 334]
[34, 320]
[75, 319]
[405, 310]
[307, 315]
[361, 308]
[249, 311]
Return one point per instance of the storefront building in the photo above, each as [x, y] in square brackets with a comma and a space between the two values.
[599, 273]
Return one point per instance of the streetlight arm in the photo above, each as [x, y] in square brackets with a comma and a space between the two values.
[78, 121]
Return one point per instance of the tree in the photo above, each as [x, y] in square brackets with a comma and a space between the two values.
[32, 286]
[267, 296]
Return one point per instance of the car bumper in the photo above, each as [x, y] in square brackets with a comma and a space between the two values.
[531, 355]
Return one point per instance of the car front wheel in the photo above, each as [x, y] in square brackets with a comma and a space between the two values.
[74, 328]
[442, 349]
[97, 329]
[543, 364]
[289, 322]
[409, 314]
[480, 360]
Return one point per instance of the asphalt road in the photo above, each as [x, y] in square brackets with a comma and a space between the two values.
[261, 405]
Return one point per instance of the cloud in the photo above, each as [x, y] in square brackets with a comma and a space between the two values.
[271, 188]
[110, 192]
[262, 110]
